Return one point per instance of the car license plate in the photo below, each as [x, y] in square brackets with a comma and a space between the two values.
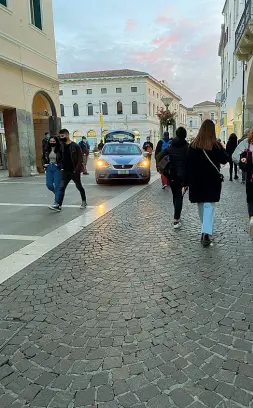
[123, 172]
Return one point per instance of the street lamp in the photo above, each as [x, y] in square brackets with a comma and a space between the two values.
[167, 102]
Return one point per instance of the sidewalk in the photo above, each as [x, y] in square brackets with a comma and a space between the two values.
[129, 313]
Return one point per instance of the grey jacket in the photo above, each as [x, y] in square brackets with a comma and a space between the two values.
[241, 148]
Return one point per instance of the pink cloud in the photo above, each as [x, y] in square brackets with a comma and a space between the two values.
[131, 25]
[164, 19]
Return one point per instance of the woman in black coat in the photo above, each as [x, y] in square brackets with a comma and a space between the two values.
[203, 176]
[177, 152]
[230, 148]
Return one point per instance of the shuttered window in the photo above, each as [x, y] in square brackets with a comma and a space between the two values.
[36, 19]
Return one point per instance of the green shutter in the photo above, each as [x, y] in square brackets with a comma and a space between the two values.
[37, 14]
[3, 2]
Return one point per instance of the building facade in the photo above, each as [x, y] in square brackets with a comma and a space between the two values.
[235, 51]
[200, 112]
[29, 96]
[127, 99]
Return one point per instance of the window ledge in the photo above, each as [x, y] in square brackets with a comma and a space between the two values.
[37, 29]
[6, 9]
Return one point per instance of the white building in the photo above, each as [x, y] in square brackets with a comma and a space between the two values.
[200, 112]
[128, 100]
[235, 51]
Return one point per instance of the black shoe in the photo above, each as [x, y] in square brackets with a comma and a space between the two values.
[206, 240]
[55, 207]
[236, 177]
[230, 179]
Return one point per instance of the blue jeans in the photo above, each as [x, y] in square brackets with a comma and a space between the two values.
[206, 215]
[53, 180]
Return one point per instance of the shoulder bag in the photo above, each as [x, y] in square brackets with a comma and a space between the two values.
[216, 168]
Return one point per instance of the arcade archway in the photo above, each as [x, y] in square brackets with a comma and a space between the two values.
[44, 120]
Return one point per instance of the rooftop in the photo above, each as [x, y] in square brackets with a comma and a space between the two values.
[205, 103]
[103, 74]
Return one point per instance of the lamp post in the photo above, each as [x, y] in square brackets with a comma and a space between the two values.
[167, 102]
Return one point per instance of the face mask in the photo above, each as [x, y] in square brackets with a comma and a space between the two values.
[52, 144]
[63, 139]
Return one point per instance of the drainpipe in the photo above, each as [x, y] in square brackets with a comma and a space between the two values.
[243, 98]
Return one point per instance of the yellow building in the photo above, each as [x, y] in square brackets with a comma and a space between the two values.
[29, 92]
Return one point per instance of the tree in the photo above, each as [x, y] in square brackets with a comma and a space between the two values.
[167, 118]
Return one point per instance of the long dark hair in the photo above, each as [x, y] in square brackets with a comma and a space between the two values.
[206, 138]
[57, 146]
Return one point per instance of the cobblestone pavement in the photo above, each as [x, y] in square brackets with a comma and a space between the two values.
[129, 313]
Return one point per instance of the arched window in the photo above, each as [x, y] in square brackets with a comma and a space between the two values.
[76, 109]
[119, 108]
[62, 110]
[104, 108]
[90, 109]
[134, 108]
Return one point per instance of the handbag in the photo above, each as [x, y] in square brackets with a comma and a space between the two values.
[163, 165]
[216, 168]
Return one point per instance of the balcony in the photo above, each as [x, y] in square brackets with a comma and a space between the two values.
[223, 97]
[244, 34]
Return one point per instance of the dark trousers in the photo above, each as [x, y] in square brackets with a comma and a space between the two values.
[249, 193]
[67, 176]
[232, 166]
[244, 176]
[176, 188]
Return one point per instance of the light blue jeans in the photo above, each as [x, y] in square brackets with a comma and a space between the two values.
[206, 215]
[53, 180]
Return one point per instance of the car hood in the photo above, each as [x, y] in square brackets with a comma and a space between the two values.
[122, 159]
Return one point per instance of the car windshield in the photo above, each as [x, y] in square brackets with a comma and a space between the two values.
[121, 149]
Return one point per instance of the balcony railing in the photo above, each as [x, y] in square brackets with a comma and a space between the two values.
[223, 97]
[246, 16]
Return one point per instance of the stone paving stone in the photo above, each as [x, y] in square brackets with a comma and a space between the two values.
[43, 398]
[211, 399]
[105, 393]
[128, 400]
[181, 398]
[83, 398]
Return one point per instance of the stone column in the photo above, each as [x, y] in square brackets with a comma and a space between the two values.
[19, 135]
[248, 116]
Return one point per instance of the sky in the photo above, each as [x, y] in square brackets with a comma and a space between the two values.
[174, 40]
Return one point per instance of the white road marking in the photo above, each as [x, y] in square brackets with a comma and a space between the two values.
[20, 237]
[41, 205]
[17, 261]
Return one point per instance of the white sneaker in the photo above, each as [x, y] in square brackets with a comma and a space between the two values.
[251, 227]
[177, 225]
[83, 205]
[55, 207]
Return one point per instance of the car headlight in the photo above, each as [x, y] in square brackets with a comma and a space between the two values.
[144, 164]
[101, 164]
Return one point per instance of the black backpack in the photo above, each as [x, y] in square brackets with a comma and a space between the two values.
[164, 164]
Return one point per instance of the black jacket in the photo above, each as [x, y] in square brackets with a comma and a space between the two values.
[203, 180]
[76, 157]
[177, 151]
[230, 148]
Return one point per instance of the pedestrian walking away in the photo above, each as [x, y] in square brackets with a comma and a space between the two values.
[230, 148]
[71, 168]
[162, 145]
[148, 147]
[52, 159]
[85, 148]
[205, 155]
[243, 157]
[245, 136]
[177, 152]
